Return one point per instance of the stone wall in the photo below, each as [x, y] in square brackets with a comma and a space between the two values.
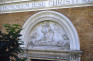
[81, 17]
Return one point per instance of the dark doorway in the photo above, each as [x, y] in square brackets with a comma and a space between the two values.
[40, 60]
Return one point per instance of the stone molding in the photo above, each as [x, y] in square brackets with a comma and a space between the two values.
[56, 17]
[24, 6]
[73, 54]
[70, 55]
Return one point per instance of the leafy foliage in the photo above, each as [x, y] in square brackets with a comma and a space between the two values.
[9, 42]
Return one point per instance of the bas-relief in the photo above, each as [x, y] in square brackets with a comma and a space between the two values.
[48, 33]
[46, 39]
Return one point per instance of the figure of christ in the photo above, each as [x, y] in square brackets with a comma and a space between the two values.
[47, 32]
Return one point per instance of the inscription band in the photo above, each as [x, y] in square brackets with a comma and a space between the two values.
[42, 5]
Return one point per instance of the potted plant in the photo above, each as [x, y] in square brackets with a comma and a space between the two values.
[9, 43]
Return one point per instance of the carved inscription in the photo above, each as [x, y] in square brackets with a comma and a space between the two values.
[22, 6]
[42, 4]
[49, 33]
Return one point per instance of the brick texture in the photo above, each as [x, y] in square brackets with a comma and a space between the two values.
[81, 17]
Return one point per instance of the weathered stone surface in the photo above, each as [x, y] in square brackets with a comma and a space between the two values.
[49, 34]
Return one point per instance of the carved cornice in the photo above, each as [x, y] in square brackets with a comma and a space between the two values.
[23, 6]
[16, 1]
[52, 55]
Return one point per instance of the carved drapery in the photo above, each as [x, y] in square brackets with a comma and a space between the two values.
[49, 33]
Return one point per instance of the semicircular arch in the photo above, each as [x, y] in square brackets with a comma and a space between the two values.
[55, 17]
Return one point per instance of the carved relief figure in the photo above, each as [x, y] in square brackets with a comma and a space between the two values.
[62, 39]
[49, 33]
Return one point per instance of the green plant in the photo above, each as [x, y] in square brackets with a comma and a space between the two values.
[9, 42]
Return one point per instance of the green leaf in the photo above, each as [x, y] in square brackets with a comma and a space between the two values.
[16, 25]
[11, 38]
[6, 25]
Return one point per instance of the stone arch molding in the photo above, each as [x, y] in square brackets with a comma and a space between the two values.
[52, 16]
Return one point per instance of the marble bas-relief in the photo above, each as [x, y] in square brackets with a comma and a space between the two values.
[48, 33]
